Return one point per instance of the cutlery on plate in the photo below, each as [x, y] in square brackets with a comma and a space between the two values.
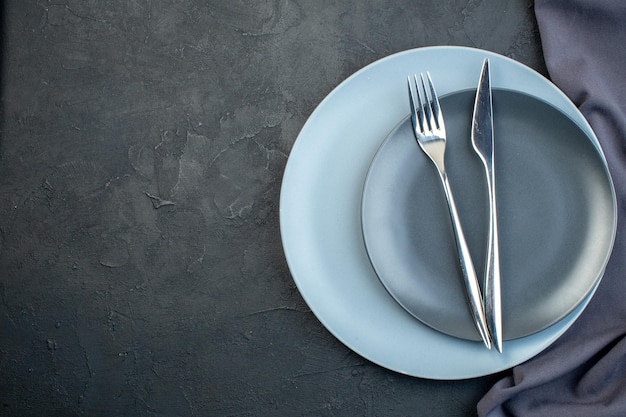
[483, 144]
[430, 133]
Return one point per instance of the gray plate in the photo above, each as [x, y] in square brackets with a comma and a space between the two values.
[556, 216]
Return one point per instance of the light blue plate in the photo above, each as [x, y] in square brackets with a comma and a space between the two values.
[320, 219]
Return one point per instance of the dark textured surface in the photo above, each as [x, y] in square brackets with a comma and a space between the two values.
[141, 154]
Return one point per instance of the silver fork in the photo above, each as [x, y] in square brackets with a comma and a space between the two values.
[430, 133]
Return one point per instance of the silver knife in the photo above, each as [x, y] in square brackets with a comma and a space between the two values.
[483, 143]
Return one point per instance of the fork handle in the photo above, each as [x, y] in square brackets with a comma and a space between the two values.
[470, 279]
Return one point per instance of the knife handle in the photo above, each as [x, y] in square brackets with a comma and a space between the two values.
[493, 301]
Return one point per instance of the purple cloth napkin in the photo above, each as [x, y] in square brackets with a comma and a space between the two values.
[584, 372]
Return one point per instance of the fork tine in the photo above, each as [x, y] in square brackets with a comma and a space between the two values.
[414, 119]
[435, 103]
[429, 105]
[420, 105]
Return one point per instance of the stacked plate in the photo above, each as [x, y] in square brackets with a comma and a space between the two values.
[366, 231]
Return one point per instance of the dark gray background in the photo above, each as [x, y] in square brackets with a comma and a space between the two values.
[141, 154]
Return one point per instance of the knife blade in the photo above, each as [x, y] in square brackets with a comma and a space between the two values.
[483, 143]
